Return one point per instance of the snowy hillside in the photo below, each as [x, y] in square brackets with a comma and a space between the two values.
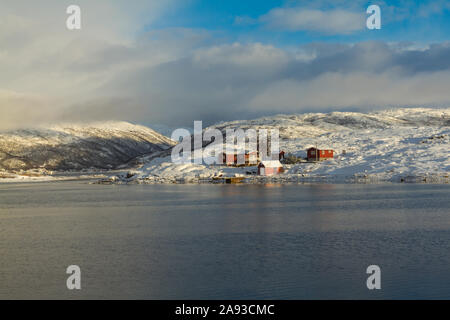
[76, 147]
[316, 124]
[396, 145]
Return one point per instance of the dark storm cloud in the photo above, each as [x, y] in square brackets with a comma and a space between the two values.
[246, 80]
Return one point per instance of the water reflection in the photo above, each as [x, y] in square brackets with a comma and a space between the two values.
[224, 241]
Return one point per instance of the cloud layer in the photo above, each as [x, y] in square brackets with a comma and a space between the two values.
[236, 80]
[299, 19]
[112, 70]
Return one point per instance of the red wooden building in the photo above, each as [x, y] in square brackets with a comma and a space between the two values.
[270, 167]
[231, 159]
[315, 154]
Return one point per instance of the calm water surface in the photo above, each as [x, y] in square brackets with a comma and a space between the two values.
[224, 241]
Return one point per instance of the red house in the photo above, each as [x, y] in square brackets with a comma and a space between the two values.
[270, 167]
[319, 155]
[231, 159]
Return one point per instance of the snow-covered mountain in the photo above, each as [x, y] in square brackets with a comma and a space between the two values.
[316, 124]
[394, 145]
[75, 147]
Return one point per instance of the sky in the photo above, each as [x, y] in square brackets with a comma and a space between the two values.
[175, 61]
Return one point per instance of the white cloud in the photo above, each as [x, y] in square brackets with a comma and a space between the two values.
[248, 55]
[427, 9]
[334, 21]
[245, 21]
[355, 90]
[40, 58]
[175, 76]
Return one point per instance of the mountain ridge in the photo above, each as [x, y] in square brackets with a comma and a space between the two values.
[64, 147]
[315, 124]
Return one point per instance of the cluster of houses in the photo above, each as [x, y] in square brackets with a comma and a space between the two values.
[272, 166]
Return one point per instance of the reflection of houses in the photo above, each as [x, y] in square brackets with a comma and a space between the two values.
[232, 159]
[270, 167]
[315, 154]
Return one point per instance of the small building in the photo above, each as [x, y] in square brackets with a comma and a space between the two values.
[251, 158]
[270, 167]
[315, 154]
[231, 159]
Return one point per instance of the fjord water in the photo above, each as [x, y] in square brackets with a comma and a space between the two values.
[311, 241]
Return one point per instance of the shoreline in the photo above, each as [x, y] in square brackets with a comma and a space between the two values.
[284, 180]
[113, 178]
